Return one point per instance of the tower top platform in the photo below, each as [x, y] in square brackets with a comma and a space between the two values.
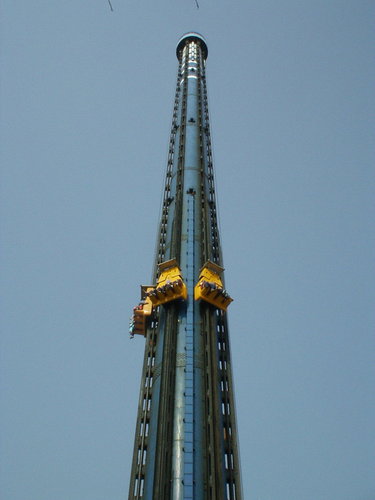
[191, 36]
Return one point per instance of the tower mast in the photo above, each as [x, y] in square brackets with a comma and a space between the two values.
[186, 445]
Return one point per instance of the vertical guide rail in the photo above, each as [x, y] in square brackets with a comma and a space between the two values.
[137, 477]
[228, 411]
[189, 369]
[213, 248]
[168, 195]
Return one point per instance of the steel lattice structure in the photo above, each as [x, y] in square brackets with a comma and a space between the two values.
[186, 444]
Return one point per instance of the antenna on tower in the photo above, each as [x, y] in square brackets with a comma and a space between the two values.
[197, 4]
[110, 5]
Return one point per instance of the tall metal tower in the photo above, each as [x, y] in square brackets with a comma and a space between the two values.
[186, 435]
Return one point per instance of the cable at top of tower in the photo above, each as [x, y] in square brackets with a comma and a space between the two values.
[109, 2]
[197, 4]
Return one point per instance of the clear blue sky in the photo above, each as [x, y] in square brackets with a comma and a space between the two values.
[86, 102]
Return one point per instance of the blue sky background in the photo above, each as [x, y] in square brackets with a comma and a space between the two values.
[86, 104]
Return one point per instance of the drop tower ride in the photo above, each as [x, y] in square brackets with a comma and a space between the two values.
[186, 445]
